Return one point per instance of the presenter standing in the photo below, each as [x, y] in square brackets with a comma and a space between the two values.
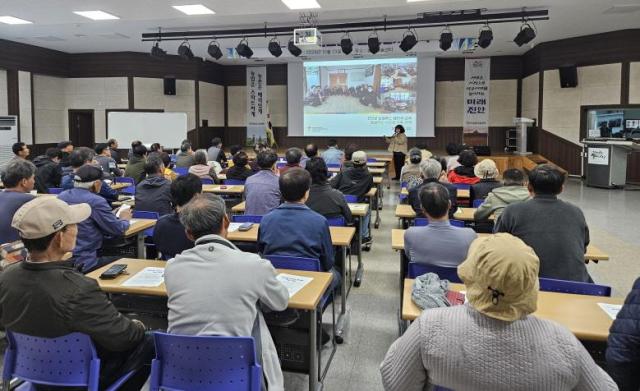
[397, 145]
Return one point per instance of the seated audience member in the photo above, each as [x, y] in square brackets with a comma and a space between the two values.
[169, 234]
[514, 190]
[261, 190]
[108, 164]
[102, 223]
[44, 297]
[78, 158]
[216, 289]
[113, 149]
[356, 181]
[426, 154]
[348, 155]
[215, 153]
[253, 163]
[487, 171]
[293, 156]
[431, 170]
[240, 170]
[293, 229]
[310, 151]
[66, 147]
[20, 152]
[411, 173]
[153, 194]
[168, 172]
[200, 168]
[500, 276]
[439, 243]
[18, 179]
[235, 149]
[623, 345]
[453, 154]
[48, 170]
[324, 199]
[465, 173]
[184, 158]
[156, 147]
[135, 165]
[134, 144]
[333, 156]
[555, 229]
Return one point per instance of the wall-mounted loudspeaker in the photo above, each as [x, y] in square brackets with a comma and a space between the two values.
[169, 85]
[569, 77]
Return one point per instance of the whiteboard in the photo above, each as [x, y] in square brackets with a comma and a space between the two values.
[168, 129]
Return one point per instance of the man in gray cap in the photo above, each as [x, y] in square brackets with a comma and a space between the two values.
[45, 297]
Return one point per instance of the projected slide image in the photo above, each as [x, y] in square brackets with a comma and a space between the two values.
[361, 97]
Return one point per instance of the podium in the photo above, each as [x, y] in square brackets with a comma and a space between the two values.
[606, 161]
[521, 135]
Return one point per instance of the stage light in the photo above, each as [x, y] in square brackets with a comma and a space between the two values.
[409, 40]
[243, 49]
[526, 35]
[157, 51]
[293, 49]
[374, 43]
[486, 36]
[214, 50]
[184, 50]
[274, 47]
[446, 39]
[346, 44]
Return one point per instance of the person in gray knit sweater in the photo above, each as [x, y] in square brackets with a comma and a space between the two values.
[492, 343]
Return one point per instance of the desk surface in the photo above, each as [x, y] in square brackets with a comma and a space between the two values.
[356, 209]
[376, 171]
[306, 299]
[138, 226]
[461, 193]
[377, 180]
[340, 236]
[377, 164]
[593, 253]
[229, 189]
[120, 186]
[579, 313]
[466, 214]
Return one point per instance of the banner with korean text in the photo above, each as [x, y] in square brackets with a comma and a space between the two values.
[477, 75]
[257, 120]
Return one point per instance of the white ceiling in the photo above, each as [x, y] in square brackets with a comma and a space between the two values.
[57, 27]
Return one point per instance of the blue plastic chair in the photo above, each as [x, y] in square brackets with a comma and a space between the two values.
[246, 219]
[575, 287]
[143, 214]
[279, 165]
[448, 273]
[207, 181]
[131, 190]
[372, 160]
[337, 222]
[478, 202]
[233, 182]
[403, 197]
[423, 222]
[334, 165]
[67, 361]
[55, 190]
[462, 186]
[351, 199]
[181, 170]
[294, 263]
[173, 158]
[205, 363]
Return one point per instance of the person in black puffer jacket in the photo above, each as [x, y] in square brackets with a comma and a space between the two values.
[49, 172]
[623, 346]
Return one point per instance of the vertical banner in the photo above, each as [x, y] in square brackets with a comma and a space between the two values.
[477, 73]
[256, 105]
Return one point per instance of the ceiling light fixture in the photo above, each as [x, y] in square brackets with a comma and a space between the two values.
[409, 40]
[184, 50]
[346, 44]
[214, 50]
[301, 4]
[13, 20]
[96, 15]
[373, 42]
[243, 48]
[446, 39]
[525, 35]
[486, 36]
[274, 47]
[194, 9]
[293, 49]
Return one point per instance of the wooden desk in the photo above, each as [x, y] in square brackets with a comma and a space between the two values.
[122, 166]
[466, 214]
[356, 209]
[340, 236]
[222, 177]
[120, 186]
[461, 193]
[377, 164]
[376, 171]
[579, 313]
[137, 228]
[236, 190]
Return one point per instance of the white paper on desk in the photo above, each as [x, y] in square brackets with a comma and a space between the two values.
[358, 206]
[147, 277]
[233, 227]
[611, 309]
[133, 221]
[293, 283]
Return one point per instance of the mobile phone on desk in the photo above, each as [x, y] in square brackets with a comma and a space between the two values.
[113, 272]
[245, 227]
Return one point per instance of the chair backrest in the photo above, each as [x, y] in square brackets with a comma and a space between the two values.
[55, 190]
[181, 170]
[478, 202]
[124, 179]
[294, 263]
[233, 182]
[423, 222]
[403, 185]
[575, 287]
[351, 199]
[207, 181]
[445, 273]
[246, 219]
[39, 360]
[462, 186]
[334, 165]
[131, 190]
[143, 214]
[336, 221]
[199, 363]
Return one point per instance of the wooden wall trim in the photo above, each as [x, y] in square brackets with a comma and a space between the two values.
[502, 68]
[625, 81]
[13, 96]
[562, 152]
[20, 56]
[131, 93]
[196, 93]
[540, 105]
[519, 98]
[33, 109]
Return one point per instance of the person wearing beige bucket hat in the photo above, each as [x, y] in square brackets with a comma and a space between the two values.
[493, 342]
[45, 296]
[488, 173]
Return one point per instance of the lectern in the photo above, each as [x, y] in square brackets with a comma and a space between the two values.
[521, 135]
[606, 161]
